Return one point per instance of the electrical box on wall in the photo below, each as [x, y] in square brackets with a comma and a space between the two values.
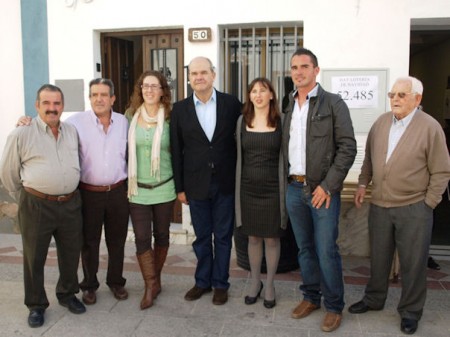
[73, 91]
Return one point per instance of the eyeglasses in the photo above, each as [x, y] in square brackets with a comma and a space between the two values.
[151, 87]
[391, 95]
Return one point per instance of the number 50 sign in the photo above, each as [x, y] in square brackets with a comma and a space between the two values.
[199, 34]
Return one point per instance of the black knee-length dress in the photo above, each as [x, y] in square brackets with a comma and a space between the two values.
[260, 199]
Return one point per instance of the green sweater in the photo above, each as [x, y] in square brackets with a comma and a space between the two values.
[165, 192]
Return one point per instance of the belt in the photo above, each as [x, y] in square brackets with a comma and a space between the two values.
[299, 179]
[148, 186]
[60, 198]
[103, 188]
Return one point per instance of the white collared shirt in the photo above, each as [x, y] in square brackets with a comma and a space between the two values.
[397, 130]
[297, 134]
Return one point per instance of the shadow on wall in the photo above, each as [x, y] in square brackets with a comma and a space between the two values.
[353, 230]
[8, 213]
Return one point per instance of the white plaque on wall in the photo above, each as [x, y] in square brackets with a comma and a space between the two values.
[363, 90]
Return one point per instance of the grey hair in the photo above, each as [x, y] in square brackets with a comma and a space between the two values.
[104, 81]
[416, 85]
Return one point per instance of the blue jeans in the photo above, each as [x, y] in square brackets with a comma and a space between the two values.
[213, 217]
[316, 232]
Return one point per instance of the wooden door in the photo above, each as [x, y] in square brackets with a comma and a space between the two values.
[118, 65]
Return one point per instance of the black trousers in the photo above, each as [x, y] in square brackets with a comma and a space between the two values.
[407, 228]
[39, 221]
[142, 217]
[108, 209]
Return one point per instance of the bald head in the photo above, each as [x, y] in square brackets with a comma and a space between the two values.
[201, 77]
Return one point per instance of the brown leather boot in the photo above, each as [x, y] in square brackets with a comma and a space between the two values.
[147, 265]
[160, 258]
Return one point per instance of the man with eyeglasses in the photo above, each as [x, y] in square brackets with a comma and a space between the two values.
[408, 164]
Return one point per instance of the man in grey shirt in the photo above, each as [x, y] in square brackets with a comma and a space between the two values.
[40, 166]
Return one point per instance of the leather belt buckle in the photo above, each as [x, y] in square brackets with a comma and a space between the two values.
[297, 178]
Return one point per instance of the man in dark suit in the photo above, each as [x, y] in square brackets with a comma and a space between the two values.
[204, 160]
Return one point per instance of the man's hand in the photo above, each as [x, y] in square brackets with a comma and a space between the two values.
[319, 197]
[182, 198]
[24, 121]
[359, 196]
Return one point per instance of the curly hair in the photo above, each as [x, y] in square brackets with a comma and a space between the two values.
[137, 99]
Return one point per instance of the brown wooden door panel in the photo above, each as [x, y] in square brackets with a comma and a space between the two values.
[118, 59]
[125, 55]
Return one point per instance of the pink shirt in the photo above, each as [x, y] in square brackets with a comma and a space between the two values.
[102, 155]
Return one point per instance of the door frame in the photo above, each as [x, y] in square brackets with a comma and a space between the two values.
[173, 38]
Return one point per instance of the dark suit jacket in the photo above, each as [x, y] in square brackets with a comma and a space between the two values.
[194, 157]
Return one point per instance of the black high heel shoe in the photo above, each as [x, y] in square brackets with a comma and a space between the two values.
[252, 300]
[269, 304]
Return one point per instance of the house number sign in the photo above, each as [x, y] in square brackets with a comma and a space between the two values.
[199, 34]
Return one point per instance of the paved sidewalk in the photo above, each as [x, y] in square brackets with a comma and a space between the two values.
[172, 316]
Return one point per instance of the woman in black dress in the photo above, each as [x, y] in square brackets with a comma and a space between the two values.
[260, 206]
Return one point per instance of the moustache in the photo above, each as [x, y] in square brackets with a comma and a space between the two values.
[48, 112]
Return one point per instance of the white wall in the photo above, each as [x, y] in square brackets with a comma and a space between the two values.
[11, 81]
[343, 34]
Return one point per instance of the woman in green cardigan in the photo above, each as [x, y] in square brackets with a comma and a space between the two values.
[151, 189]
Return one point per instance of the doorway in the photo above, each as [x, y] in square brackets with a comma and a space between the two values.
[126, 55]
[430, 40]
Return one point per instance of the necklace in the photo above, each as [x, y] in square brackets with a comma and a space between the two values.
[148, 120]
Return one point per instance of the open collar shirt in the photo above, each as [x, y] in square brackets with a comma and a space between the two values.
[397, 130]
[103, 156]
[297, 135]
[34, 158]
[207, 114]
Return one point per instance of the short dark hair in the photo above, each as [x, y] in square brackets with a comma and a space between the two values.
[49, 87]
[304, 51]
[105, 81]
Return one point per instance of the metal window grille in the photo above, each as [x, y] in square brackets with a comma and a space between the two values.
[258, 51]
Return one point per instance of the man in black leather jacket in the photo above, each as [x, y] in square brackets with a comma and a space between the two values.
[319, 147]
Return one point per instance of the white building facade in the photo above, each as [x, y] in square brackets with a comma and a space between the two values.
[65, 42]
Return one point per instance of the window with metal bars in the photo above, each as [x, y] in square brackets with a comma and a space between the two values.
[258, 51]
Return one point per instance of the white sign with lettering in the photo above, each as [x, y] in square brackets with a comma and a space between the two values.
[359, 92]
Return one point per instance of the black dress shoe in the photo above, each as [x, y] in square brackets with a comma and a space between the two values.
[432, 264]
[36, 318]
[408, 326]
[195, 293]
[359, 308]
[252, 300]
[74, 305]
